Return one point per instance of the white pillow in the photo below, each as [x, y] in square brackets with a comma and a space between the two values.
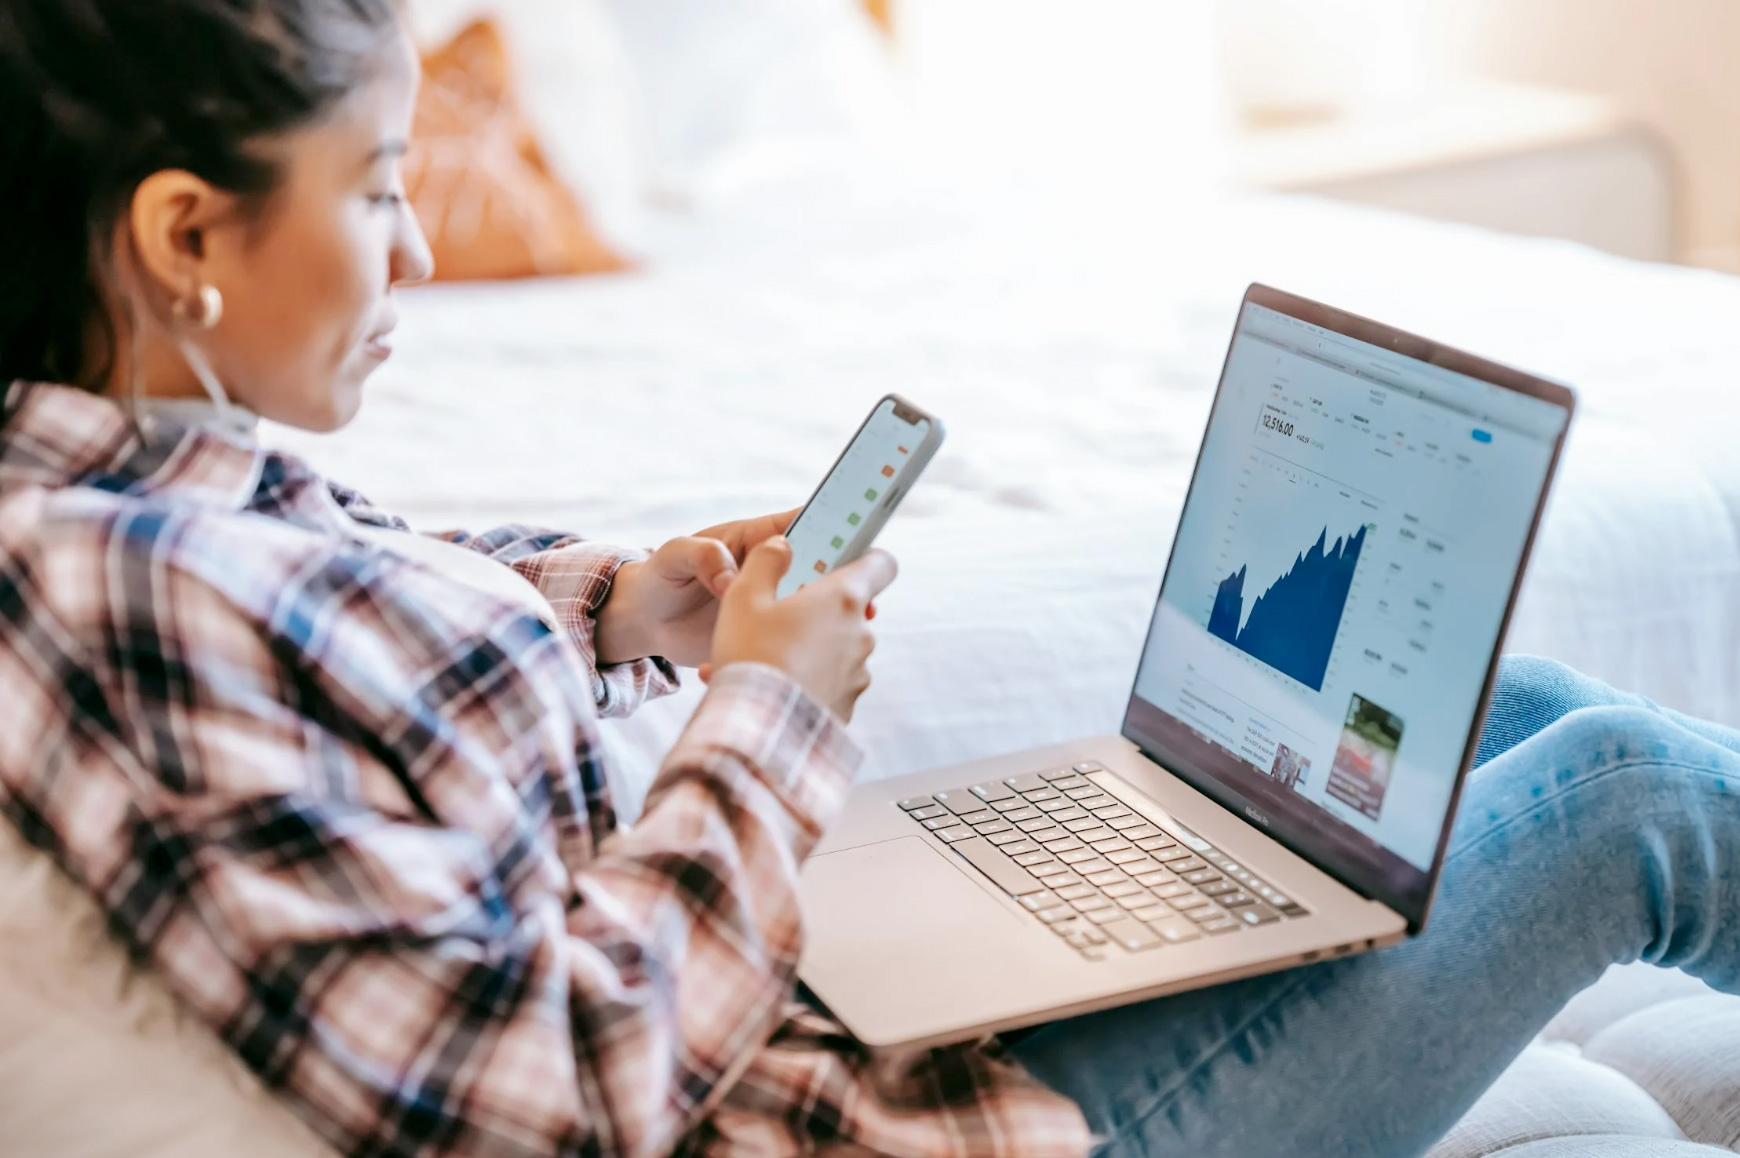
[577, 89]
[96, 1058]
[720, 80]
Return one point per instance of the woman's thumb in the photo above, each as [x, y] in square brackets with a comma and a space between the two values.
[764, 568]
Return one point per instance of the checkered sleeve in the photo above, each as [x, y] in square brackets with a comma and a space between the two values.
[575, 576]
[376, 871]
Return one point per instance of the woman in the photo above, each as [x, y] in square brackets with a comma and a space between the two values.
[341, 784]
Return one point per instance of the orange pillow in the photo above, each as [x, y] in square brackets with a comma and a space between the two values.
[480, 185]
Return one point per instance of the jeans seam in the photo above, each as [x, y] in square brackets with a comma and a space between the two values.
[1234, 1033]
[1603, 773]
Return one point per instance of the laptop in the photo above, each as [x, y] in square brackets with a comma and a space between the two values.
[1305, 711]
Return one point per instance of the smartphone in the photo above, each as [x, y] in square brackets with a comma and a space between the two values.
[868, 481]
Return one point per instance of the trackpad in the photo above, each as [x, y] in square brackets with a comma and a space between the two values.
[894, 933]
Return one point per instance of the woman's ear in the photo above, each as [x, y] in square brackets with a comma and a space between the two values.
[171, 216]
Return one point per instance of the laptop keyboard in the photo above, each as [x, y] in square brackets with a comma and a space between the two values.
[1091, 869]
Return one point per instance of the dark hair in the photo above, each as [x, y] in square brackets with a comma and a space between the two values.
[96, 95]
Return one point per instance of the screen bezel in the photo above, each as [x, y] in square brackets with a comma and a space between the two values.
[1349, 856]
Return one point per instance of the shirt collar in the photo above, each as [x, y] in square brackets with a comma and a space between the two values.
[56, 436]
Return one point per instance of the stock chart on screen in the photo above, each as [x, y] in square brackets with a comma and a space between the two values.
[1292, 625]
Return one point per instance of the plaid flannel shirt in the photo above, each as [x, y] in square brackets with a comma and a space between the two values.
[353, 812]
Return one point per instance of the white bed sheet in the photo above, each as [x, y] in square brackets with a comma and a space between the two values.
[1072, 350]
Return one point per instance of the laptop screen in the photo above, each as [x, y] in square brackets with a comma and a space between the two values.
[1344, 567]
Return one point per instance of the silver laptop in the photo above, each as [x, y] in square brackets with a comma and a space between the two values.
[1305, 710]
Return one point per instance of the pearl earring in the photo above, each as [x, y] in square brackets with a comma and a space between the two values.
[205, 309]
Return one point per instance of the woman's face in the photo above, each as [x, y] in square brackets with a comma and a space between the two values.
[307, 282]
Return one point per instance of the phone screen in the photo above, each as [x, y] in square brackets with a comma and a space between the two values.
[848, 497]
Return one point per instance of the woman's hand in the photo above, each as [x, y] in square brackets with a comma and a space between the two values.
[819, 636]
[667, 605]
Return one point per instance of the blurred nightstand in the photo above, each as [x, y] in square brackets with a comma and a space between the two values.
[1531, 161]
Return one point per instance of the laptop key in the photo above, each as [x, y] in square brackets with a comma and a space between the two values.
[1136, 900]
[1125, 856]
[1106, 916]
[1083, 824]
[960, 800]
[1204, 916]
[1222, 889]
[1055, 805]
[1057, 774]
[993, 826]
[1096, 865]
[1187, 902]
[1090, 766]
[1200, 876]
[1110, 811]
[1063, 815]
[1065, 843]
[1113, 843]
[1088, 792]
[1118, 886]
[1188, 865]
[992, 790]
[1157, 877]
[1151, 843]
[1004, 873]
[1041, 795]
[1026, 782]
[1077, 855]
[1256, 914]
[1029, 859]
[1033, 902]
[1108, 876]
[1006, 838]
[1090, 904]
[1019, 847]
[1168, 892]
[927, 811]
[1222, 925]
[1124, 823]
[1054, 916]
[914, 803]
[936, 822]
[1175, 931]
[1132, 935]
[1038, 824]
[1173, 855]
[1075, 892]
[1051, 871]
[1009, 805]
[1149, 911]
[958, 833]
[1145, 832]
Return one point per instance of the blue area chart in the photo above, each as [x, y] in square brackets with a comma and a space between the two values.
[1292, 625]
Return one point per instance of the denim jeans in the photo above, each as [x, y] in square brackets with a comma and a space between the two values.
[1597, 828]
